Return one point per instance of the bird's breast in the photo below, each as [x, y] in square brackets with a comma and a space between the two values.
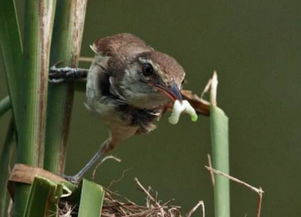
[115, 113]
[132, 109]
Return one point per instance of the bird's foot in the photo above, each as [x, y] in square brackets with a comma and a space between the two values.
[73, 179]
[64, 74]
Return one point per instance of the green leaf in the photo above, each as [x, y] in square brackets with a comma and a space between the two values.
[43, 199]
[220, 155]
[91, 199]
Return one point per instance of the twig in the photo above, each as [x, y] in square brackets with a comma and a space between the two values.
[66, 209]
[143, 213]
[260, 196]
[211, 173]
[213, 89]
[145, 191]
[103, 160]
[259, 190]
[110, 193]
[85, 59]
[200, 203]
[206, 89]
[218, 172]
[114, 181]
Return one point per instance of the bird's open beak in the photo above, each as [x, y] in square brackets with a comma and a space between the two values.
[171, 91]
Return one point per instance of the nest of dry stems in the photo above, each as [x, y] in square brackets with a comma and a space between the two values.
[116, 205]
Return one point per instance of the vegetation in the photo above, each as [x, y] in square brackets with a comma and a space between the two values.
[41, 113]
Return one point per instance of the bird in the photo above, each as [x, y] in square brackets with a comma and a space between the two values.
[129, 85]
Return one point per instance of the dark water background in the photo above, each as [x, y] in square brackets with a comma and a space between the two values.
[255, 47]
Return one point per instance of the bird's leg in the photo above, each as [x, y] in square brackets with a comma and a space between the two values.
[59, 75]
[78, 176]
[97, 157]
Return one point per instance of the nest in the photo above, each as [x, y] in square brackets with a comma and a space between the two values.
[116, 205]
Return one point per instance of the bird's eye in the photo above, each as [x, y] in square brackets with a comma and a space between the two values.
[147, 69]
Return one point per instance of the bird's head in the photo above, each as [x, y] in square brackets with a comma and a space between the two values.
[140, 75]
[151, 79]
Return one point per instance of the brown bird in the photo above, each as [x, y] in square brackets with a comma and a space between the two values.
[129, 85]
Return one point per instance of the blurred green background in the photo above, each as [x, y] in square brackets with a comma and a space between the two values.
[255, 47]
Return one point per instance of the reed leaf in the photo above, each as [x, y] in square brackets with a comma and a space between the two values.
[4, 166]
[4, 105]
[38, 23]
[67, 37]
[91, 199]
[220, 153]
[11, 48]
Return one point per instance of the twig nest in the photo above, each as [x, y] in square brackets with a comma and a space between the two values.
[178, 108]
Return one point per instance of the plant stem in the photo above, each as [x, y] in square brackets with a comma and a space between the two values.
[11, 47]
[4, 166]
[68, 31]
[220, 154]
[4, 105]
[37, 38]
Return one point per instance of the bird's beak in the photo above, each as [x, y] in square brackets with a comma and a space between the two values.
[171, 91]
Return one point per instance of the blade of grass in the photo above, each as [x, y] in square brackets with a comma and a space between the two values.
[4, 105]
[11, 48]
[220, 154]
[38, 22]
[68, 31]
[91, 199]
[4, 166]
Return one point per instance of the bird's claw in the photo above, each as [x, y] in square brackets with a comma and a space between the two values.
[73, 179]
[57, 75]
[63, 74]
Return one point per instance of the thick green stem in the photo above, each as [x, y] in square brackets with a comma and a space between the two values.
[38, 22]
[67, 36]
[4, 105]
[11, 48]
[4, 166]
[220, 155]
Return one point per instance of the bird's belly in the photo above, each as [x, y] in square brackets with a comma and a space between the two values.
[122, 115]
[104, 109]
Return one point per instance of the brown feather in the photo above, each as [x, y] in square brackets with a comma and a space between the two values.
[173, 71]
[121, 45]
